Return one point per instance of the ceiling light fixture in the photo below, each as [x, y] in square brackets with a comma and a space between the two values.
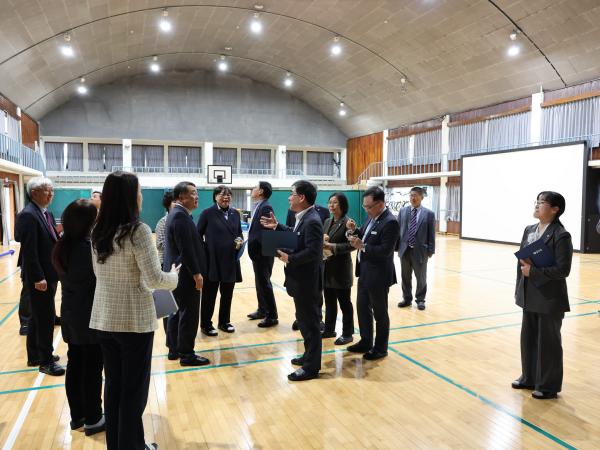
[256, 25]
[336, 48]
[81, 88]
[289, 81]
[342, 112]
[164, 23]
[67, 49]
[223, 66]
[259, 7]
[228, 49]
[155, 67]
[514, 49]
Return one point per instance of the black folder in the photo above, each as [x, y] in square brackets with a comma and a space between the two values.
[164, 303]
[286, 241]
[538, 253]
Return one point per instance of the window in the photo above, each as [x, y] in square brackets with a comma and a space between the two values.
[320, 163]
[185, 159]
[105, 157]
[294, 162]
[225, 157]
[256, 162]
[147, 158]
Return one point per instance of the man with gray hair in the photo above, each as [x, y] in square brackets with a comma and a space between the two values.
[36, 230]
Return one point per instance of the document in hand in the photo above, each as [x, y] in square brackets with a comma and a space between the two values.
[538, 253]
[164, 303]
[240, 252]
[286, 241]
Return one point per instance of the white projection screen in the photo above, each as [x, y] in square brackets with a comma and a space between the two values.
[498, 190]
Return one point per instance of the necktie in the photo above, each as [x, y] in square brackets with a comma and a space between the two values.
[412, 228]
[50, 225]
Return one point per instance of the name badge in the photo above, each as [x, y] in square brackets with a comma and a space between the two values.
[373, 232]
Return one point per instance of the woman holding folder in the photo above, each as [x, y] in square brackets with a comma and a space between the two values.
[542, 293]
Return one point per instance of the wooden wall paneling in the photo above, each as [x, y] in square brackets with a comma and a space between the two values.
[596, 153]
[30, 131]
[361, 152]
[8, 106]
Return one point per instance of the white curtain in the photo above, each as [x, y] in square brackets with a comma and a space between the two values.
[572, 121]
[225, 157]
[55, 156]
[238, 199]
[294, 162]
[104, 157]
[435, 201]
[508, 132]
[75, 157]
[428, 147]
[453, 203]
[256, 161]
[147, 156]
[320, 163]
[13, 130]
[464, 139]
[398, 151]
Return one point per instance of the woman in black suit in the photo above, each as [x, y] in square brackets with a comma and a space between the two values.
[338, 270]
[220, 231]
[542, 293]
[72, 259]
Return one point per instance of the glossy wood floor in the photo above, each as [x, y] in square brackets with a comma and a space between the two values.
[445, 383]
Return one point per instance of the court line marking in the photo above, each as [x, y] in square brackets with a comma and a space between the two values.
[2, 280]
[485, 400]
[10, 313]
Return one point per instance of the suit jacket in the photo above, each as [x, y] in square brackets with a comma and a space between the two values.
[37, 243]
[338, 267]
[424, 237]
[304, 270]
[217, 236]
[123, 298]
[551, 296]
[376, 267]
[256, 229]
[78, 284]
[182, 246]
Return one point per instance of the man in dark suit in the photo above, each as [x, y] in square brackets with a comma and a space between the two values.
[375, 241]
[304, 275]
[182, 246]
[35, 227]
[417, 245]
[262, 265]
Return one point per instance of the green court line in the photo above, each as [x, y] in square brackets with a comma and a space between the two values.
[5, 318]
[38, 388]
[2, 280]
[485, 400]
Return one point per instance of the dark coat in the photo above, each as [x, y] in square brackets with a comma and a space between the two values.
[37, 243]
[218, 236]
[376, 267]
[551, 296]
[338, 267]
[304, 270]
[256, 229]
[424, 237]
[78, 284]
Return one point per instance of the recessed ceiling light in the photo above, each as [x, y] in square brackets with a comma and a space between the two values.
[256, 25]
[67, 49]
[514, 50]
[81, 89]
[289, 81]
[155, 67]
[164, 23]
[342, 112]
[336, 48]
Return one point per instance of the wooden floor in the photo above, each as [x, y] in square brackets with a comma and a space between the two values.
[445, 383]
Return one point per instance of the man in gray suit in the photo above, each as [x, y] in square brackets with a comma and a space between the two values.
[417, 245]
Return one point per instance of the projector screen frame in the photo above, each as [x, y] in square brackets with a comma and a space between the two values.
[586, 154]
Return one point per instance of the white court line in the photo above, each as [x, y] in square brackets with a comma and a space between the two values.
[16, 429]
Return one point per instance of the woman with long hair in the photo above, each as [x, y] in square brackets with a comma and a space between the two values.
[72, 259]
[127, 267]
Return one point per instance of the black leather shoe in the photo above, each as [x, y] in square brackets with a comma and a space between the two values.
[227, 328]
[373, 354]
[55, 358]
[173, 356]
[420, 306]
[328, 334]
[544, 395]
[266, 323]
[152, 446]
[209, 331]
[256, 315]
[52, 369]
[56, 321]
[322, 326]
[295, 326]
[359, 347]
[404, 304]
[343, 340]
[77, 424]
[193, 360]
[518, 385]
[298, 361]
[98, 427]
[23, 330]
[302, 375]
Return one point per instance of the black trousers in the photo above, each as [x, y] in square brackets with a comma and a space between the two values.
[263, 268]
[209, 297]
[24, 306]
[127, 358]
[332, 297]
[372, 302]
[308, 318]
[409, 264]
[41, 324]
[83, 382]
[182, 327]
[541, 351]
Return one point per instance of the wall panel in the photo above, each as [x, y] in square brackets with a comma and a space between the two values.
[361, 152]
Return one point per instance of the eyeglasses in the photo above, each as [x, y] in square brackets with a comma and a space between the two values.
[540, 202]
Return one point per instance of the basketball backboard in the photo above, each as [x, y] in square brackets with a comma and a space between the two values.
[219, 175]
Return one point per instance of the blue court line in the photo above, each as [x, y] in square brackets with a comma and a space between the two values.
[2, 280]
[485, 400]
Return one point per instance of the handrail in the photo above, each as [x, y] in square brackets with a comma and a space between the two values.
[13, 151]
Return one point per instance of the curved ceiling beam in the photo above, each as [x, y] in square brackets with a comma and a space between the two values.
[517, 27]
[141, 58]
[203, 5]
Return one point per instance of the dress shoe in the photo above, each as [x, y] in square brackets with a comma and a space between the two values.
[295, 326]
[343, 340]
[544, 395]
[420, 306]
[193, 360]
[328, 334]
[209, 331]
[359, 347]
[173, 356]
[256, 315]
[298, 361]
[98, 427]
[266, 323]
[52, 369]
[518, 385]
[23, 330]
[55, 358]
[404, 304]
[56, 321]
[322, 326]
[227, 328]
[152, 446]
[77, 424]
[373, 354]
[301, 375]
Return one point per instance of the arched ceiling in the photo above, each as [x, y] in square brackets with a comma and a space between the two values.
[453, 53]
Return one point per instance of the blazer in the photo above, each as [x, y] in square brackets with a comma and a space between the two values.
[424, 237]
[551, 296]
[255, 231]
[77, 286]
[338, 267]
[183, 246]
[217, 236]
[376, 266]
[123, 298]
[304, 270]
[37, 243]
